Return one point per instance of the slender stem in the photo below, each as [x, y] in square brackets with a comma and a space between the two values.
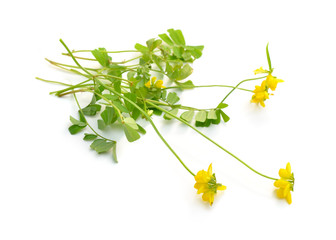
[205, 86]
[83, 58]
[246, 80]
[49, 81]
[66, 65]
[80, 109]
[75, 91]
[151, 122]
[72, 87]
[74, 59]
[124, 51]
[189, 125]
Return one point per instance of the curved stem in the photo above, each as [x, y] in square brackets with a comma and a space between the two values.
[246, 80]
[50, 81]
[124, 51]
[151, 122]
[206, 137]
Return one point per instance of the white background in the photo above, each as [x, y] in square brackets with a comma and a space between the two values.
[52, 186]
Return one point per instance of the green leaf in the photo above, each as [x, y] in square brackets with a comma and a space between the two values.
[185, 72]
[101, 56]
[225, 117]
[111, 97]
[107, 115]
[131, 134]
[101, 145]
[132, 97]
[185, 85]
[212, 114]
[131, 122]
[177, 36]
[135, 113]
[121, 107]
[218, 118]
[101, 124]
[178, 51]
[141, 48]
[91, 109]
[157, 61]
[114, 152]
[188, 115]
[166, 39]
[174, 111]
[222, 105]
[196, 51]
[75, 129]
[201, 116]
[141, 129]
[117, 85]
[74, 121]
[89, 137]
[172, 98]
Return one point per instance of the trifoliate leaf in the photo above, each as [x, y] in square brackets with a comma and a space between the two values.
[166, 39]
[101, 145]
[185, 85]
[107, 115]
[131, 122]
[131, 134]
[172, 98]
[91, 109]
[141, 48]
[101, 56]
[101, 124]
[177, 36]
[185, 72]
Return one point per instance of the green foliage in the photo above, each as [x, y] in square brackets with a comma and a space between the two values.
[101, 56]
[172, 98]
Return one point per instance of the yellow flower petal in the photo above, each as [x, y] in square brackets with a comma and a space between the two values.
[159, 83]
[222, 187]
[281, 183]
[148, 84]
[280, 193]
[260, 70]
[284, 174]
[289, 198]
[153, 80]
[288, 168]
[210, 169]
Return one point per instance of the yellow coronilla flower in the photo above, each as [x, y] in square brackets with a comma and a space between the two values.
[285, 184]
[206, 183]
[260, 70]
[272, 82]
[154, 83]
[260, 94]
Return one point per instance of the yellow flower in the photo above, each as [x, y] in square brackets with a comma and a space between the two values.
[260, 94]
[206, 183]
[260, 70]
[153, 82]
[272, 82]
[285, 184]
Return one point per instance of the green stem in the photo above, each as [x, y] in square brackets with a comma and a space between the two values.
[246, 80]
[49, 81]
[124, 51]
[151, 122]
[72, 87]
[205, 86]
[74, 59]
[209, 139]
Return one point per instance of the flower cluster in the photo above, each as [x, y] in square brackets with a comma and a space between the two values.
[261, 92]
[206, 183]
[154, 83]
[285, 184]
